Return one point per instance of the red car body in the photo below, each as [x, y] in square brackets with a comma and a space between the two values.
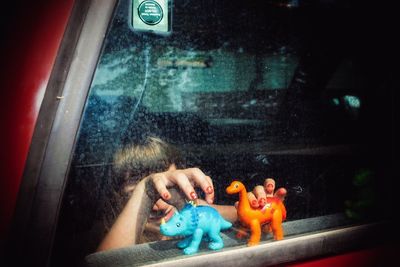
[33, 32]
[32, 35]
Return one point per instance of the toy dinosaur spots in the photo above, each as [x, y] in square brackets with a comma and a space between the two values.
[274, 212]
[194, 222]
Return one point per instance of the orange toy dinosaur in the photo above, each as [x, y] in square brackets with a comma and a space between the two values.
[274, 213]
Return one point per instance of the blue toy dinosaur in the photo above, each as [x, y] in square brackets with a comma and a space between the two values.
[193, 222]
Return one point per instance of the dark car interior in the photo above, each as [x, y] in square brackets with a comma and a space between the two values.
[246, 90]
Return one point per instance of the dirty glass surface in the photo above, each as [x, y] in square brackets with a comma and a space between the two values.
[246, 90]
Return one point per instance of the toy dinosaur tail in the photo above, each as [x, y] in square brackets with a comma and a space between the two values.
[225, 224]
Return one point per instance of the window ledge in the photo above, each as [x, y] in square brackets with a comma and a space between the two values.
[303, 241]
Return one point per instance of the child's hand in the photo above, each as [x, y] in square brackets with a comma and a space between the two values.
[186, 180]
[269, 186]
[260, 193]
[258, 198]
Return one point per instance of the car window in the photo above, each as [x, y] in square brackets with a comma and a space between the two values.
[246, 91]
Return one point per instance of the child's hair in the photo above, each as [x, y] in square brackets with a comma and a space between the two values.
[139, 160]
[132, 163]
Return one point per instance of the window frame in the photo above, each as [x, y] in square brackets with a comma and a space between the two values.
[47, 165]
[48, 162]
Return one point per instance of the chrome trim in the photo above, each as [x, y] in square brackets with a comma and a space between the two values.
[278, 252]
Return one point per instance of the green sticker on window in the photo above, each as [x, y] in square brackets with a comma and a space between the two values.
[150, 12]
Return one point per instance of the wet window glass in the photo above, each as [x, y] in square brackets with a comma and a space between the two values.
[245, 90]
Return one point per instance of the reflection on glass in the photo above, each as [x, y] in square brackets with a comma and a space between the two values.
[245, 92]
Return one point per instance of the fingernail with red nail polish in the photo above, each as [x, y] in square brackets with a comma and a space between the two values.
[193, 195]
[254, 202]
[209, 190]
[166, 196]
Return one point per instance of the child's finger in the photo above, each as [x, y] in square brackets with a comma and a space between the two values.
[260, 194]
[161, 205]
[252, 200]
[281, 193]
[203, 181]
[269, 186]
[160, 185]
[180, 179]
[210, 191]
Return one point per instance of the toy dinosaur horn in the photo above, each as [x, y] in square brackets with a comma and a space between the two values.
[162, 221]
